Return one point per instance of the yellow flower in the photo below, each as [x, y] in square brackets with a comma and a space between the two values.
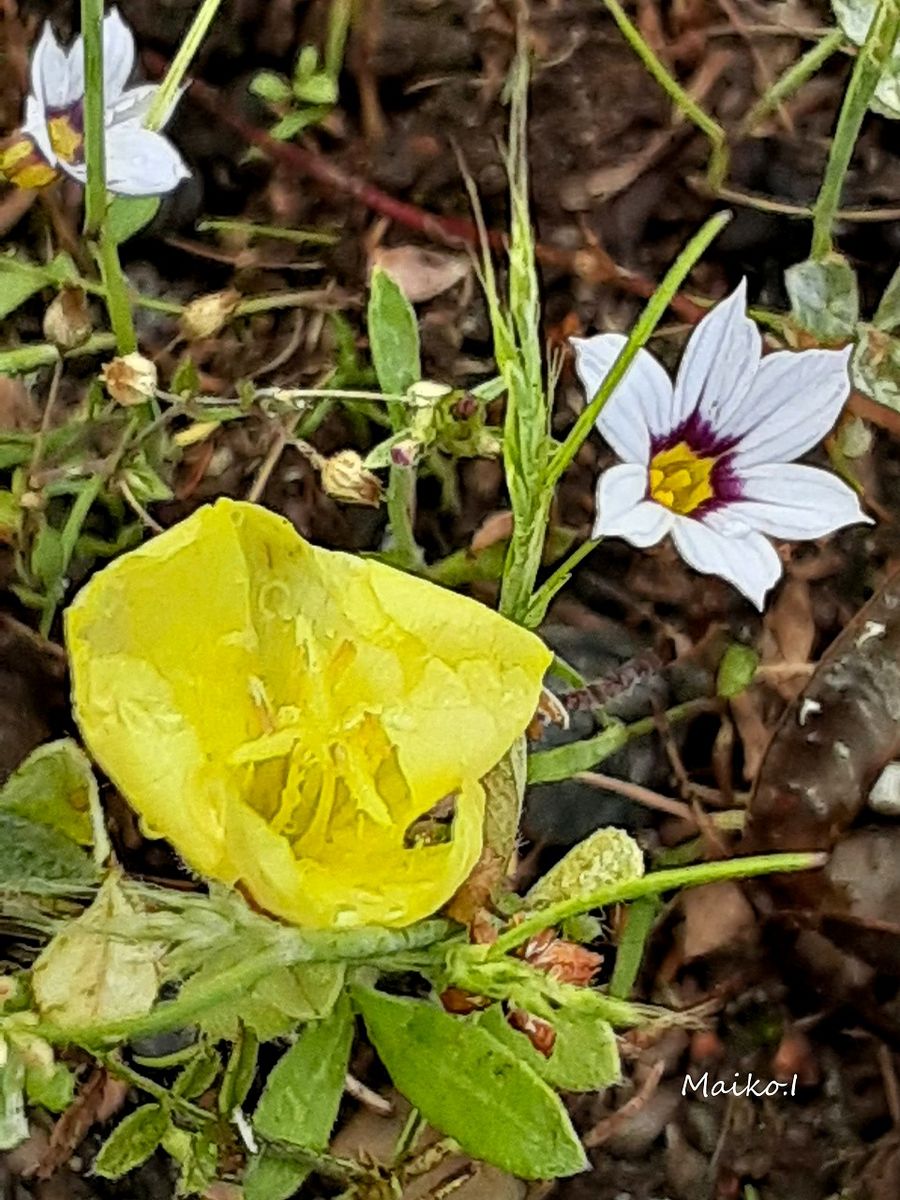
[284, 714]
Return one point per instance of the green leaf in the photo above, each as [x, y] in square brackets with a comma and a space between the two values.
[292, 123]
[271, 1177]
[301, 1098]
[273, 1007]
[186, 377]
[875, 366]
[585, 1055]
[824, 297]
[887, 315]
[504, 788]
[737, 667]
[19, 281]
[393, 335]
[240, 1071]
[316, 89]
[13, 1122]
[562, 762]
[639, 920]
[54, 786]
[15, 449]
[469, 1086]
[10, 515]
[30, 852]
[603, 859]
[197, 1156]
[854, 18]
[49, 1084]
[128, 215]
[132, 1141]
[269, 86]
[199, 1074]
[47, 556]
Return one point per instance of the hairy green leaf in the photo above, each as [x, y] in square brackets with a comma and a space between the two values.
[29, 852]
[269, 1176]
[471, 1087]
[54, 786]
[301, 1099]
[132, 1141]
[585, 1055]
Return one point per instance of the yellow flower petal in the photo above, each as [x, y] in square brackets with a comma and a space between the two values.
[283, 714]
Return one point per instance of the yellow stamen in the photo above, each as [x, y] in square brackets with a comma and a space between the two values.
[22, 164]
[680, 479]
[65, 140]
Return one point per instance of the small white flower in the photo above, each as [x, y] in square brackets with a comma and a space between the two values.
[710, 460]
[139, 162]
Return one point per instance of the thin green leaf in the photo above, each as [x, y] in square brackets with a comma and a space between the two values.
[13, 1122]
[630, 950]
[472, 1088]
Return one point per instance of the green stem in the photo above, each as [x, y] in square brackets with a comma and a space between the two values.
[652, 885]
[23, 359]
[540, 601]
[94, 125]
[794, 78]
[167, 95]
[718, 159]
[641, 333]
[400, 501]
[867, 71]
[562, 762]
[293, 948]
[118, 299]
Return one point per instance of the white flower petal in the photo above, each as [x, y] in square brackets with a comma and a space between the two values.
[141, 163]
[118, 56]
[50, 71]
[623, 511]
[788, 500]
[719, 363]
[640, 405]
[750, 563]
[35, 127]
[795, 400]
[133, 106]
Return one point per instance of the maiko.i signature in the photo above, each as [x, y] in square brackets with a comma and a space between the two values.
[750, 1086]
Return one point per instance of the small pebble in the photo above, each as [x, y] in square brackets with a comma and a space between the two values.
[884, 797]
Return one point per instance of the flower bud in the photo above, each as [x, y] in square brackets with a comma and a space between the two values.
[539, 1032]
[130, 379]
[405, 453]
[205, 316]
[345, 478]
[67, 322]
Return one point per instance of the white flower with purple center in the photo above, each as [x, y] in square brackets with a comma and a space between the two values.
[139, 162]
[710, 460]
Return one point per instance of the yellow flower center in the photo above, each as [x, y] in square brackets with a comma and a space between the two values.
[680, 479]
[64, 138]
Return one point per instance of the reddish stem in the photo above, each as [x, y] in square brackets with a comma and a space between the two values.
[591, 262]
